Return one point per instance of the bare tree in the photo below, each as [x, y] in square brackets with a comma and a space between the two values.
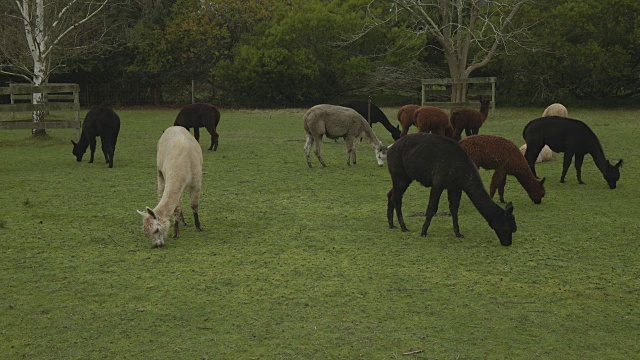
[38, 35]
[468, 32]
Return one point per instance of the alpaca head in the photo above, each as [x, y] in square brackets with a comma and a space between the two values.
[505, 226]
[381, 154]
[612, 174]
[78, 151]
[538, 192]
[153, 227]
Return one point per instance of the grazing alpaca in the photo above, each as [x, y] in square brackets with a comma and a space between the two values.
[377, 116]
[179, 167]
[545, 154]
[440, 163]
[552, 110]
[405, 117]
[100, 121]
[200, 115]
[572, 137]
[433, 120]
[338, 122]
[497, 153]
[469, 120]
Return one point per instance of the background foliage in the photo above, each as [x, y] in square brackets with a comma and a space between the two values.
[279, 53]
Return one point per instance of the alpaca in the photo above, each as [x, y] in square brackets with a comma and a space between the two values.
[405, 117]
[497, 153]
[434, 120]
[338, 122]
[556, 110]
[552, 110]
[100, 121]
[179, 164]
[200, 115]
[440, 163]
[469, 120]
[572, 137]
[377, 116]
[545, 154]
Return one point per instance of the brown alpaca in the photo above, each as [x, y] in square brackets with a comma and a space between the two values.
[497, 153]
[405, 117]
[433, 120]
[469, 120]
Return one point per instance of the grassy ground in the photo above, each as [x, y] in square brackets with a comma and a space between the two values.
[298, 263]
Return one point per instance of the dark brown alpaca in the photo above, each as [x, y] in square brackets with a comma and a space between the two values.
[405, 117]
[497, 153]
[430, 119]
[200, 115]
[469, 120]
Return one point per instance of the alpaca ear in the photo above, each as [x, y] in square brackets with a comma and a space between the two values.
[509, 208]
[619, 164]
[542, 181]
[150, 212]
[74, 143]
[140, 212]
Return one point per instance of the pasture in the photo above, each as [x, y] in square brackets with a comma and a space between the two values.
[299, 263]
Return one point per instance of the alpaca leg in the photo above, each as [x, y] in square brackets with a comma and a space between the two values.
[498, 181]
[351, 149]
[195, 202]
[107, 150]
[394, 201]
[214, 137]
[578, 164]
[177, 213]
[92, 146]
[405, 129]
[565, 164]
[307, 148]
[317, 145]
[196, 133]
[432, 208]
[454, 204]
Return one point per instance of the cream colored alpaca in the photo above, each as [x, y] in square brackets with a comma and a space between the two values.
[552, 110]
[179, 163]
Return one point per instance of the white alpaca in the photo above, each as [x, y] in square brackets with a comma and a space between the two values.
[552, 110]
[338, 122]
[179, 168]
[556, 110]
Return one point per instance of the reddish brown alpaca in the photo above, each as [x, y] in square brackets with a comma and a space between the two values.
[497, 153]
[469, 120]
[433, 120]
[405, 117]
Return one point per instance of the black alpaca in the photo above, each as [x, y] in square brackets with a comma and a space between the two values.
[377, 116]
[440, 163]
[200, 115]
[572, 137]
[100, 121]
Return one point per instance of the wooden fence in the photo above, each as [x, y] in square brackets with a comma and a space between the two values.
[56, 97]
[485, 87]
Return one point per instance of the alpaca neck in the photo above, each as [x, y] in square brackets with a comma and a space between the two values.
[83, 142]
[598, 157]
[168, 203]
[480, 198]
[526, 178]
[371, 136]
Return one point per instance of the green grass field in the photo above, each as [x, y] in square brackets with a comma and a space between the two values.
[299, 263]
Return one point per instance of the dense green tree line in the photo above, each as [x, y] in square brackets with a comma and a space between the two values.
[299, 52]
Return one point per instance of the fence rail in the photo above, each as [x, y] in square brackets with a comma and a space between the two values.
[442, 87]
[55, 96]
